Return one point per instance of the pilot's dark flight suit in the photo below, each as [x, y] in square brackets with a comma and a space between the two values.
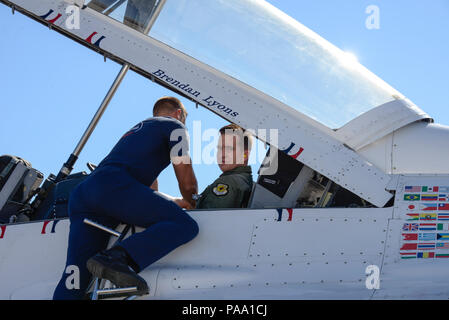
[118, 191]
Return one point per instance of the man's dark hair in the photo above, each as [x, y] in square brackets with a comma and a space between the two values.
[168, 104]
[247, 138]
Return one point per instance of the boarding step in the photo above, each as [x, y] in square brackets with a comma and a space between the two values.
[101, 288]
[130, 293]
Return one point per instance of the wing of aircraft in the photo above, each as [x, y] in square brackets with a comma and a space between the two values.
[348, 186]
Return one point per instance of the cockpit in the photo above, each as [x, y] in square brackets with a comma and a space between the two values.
[295, 185]
[300, 69]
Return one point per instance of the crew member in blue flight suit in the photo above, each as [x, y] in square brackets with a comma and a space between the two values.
[119, 191]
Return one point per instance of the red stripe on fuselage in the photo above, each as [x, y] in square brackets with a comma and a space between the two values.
[55, 19]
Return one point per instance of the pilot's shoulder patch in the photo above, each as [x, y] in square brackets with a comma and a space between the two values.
[221, 189]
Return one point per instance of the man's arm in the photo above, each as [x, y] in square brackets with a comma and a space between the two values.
[155, 185]
[187, 182]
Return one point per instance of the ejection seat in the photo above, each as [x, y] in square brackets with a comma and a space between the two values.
[285, 182]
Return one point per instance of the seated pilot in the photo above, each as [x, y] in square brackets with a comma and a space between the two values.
[137, 15]
[233, 187]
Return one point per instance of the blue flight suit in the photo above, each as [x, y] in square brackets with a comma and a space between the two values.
[118, 191]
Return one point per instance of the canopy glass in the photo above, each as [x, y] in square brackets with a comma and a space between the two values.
[263, 47]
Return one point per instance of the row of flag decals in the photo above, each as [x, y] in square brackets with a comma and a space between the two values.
[424, 189]
[429, 207]
[425, 226]
[423, 255]
[427, 216]
[428, 197]
[425, 237]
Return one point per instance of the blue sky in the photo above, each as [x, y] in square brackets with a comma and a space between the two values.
[50, 86]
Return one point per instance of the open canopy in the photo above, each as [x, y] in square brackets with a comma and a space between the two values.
[254, 66]
[260, 45]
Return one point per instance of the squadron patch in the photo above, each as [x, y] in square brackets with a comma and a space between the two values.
[221, 189]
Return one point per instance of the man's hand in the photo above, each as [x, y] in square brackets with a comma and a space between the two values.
[183, 203]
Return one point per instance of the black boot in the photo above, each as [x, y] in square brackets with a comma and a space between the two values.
[113, 265]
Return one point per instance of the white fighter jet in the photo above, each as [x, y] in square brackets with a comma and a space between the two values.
[352, 211]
